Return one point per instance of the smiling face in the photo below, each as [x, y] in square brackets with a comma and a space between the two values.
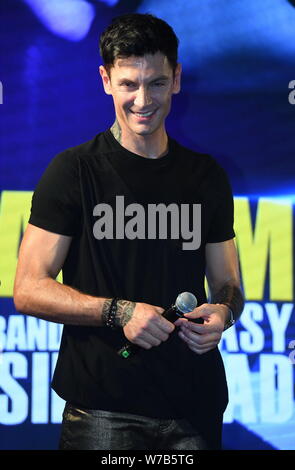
[141, 88]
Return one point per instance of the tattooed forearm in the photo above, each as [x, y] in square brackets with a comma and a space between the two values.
[125, 310]
[230, 295]
[116, 131]
[105, 309]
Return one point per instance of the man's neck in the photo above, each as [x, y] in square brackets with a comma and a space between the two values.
[148, 146]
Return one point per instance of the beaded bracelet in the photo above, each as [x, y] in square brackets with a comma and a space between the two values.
[111, 315]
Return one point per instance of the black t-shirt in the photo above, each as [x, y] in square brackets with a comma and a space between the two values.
[169, 380]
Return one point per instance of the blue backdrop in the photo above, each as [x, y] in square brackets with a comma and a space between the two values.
[238, 104]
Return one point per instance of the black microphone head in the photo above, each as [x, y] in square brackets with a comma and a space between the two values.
[186, 302]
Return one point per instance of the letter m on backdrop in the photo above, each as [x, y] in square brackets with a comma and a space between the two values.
[265, 245]
[15, 209]
[14, 214]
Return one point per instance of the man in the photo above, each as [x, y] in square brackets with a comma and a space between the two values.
[92, 217]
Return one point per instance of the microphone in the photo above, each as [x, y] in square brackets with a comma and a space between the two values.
[185, 303]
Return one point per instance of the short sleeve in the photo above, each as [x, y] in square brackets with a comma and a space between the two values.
[221, 228]
[56, 200]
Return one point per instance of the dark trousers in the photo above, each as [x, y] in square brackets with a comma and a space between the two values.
[106, 430]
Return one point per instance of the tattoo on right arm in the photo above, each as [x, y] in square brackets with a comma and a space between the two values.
[105, 309]
[125, 310]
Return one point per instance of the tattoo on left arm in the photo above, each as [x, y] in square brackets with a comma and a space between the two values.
[230, 295]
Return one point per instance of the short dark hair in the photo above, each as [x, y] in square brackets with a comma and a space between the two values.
[138, 34]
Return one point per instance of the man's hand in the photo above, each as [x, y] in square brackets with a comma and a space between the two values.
[201, 338]
[146, 326]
